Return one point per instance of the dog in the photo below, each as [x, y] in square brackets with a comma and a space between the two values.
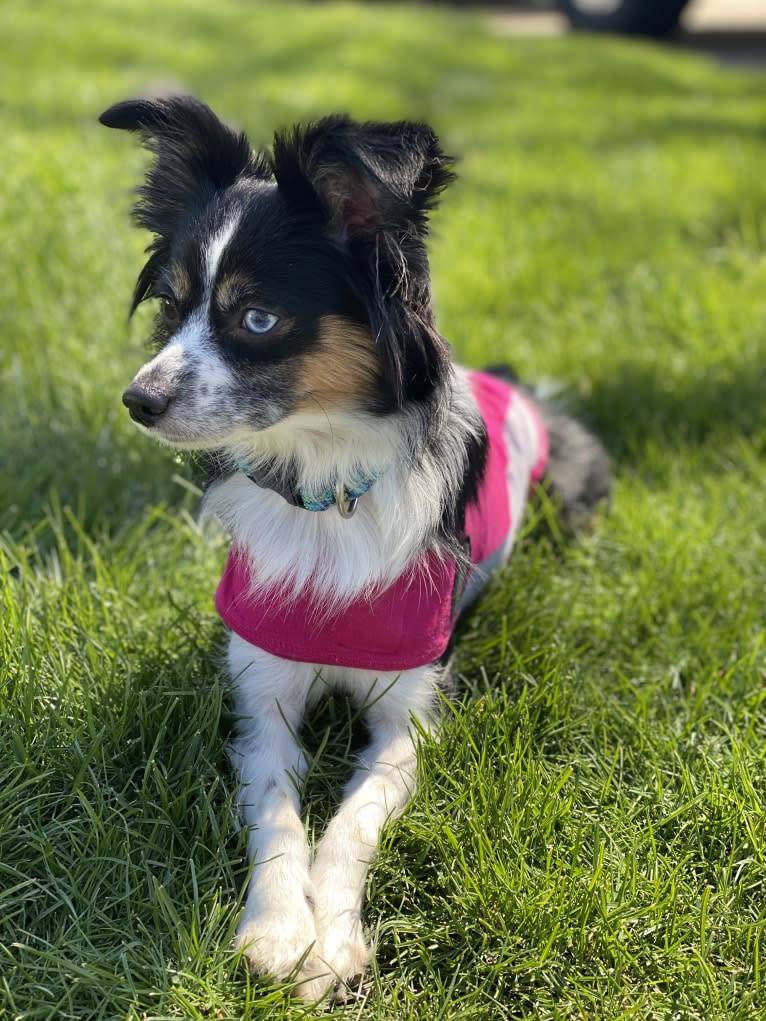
[369, 484]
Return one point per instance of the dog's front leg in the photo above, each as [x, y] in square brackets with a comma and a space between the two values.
[378, 791]
[276, 931]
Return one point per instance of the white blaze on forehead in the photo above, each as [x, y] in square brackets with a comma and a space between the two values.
[216, 248]
[190, 352]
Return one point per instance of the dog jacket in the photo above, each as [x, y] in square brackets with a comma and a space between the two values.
[410, 623]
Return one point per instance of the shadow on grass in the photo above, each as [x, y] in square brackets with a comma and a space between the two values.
[106, 476]
[644, 405]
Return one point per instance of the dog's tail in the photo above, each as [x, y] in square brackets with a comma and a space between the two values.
[578, 475]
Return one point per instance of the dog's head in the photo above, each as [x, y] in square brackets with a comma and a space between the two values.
[290, 282]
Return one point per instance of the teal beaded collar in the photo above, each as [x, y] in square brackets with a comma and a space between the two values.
[344, 496]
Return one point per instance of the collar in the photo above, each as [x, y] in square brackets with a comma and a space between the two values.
[344, 495]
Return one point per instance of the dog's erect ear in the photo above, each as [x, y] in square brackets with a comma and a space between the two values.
[196, 155]
[374, 184]
[369, 178]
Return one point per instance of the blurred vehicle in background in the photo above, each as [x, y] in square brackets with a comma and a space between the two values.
[633, 17]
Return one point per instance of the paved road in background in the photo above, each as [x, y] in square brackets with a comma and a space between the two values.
[734, 31]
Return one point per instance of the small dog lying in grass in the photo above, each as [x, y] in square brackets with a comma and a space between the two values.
[370, 485]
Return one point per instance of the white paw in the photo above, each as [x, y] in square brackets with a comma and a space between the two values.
[280, 940]
[345, 953]
[314, 987]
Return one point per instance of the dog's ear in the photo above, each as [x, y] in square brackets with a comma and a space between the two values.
[196, 155]
[374, 184]
[368, 178]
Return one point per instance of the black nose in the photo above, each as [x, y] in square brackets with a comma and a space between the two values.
[145, 406]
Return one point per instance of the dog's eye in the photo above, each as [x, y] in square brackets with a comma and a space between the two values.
[169, 309]
[256, 320]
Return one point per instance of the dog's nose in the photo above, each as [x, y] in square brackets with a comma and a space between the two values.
[145, 406]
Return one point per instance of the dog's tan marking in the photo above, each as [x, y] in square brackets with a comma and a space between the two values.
[179, 282]
[230, 291]
[342, 367]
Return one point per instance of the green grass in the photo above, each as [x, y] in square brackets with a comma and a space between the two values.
[588, 838]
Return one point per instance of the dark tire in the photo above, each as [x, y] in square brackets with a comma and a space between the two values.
[629, 17]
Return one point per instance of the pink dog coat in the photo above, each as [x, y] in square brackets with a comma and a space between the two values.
[410, 623]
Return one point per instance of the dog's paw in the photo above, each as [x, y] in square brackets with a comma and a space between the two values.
[280, 940]
[345, 955]
[314, 987]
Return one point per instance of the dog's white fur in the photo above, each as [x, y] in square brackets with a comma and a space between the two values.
[298, 913]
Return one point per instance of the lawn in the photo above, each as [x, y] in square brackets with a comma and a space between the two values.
[588, 840]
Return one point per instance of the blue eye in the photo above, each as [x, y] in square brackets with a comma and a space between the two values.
[255, 320]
